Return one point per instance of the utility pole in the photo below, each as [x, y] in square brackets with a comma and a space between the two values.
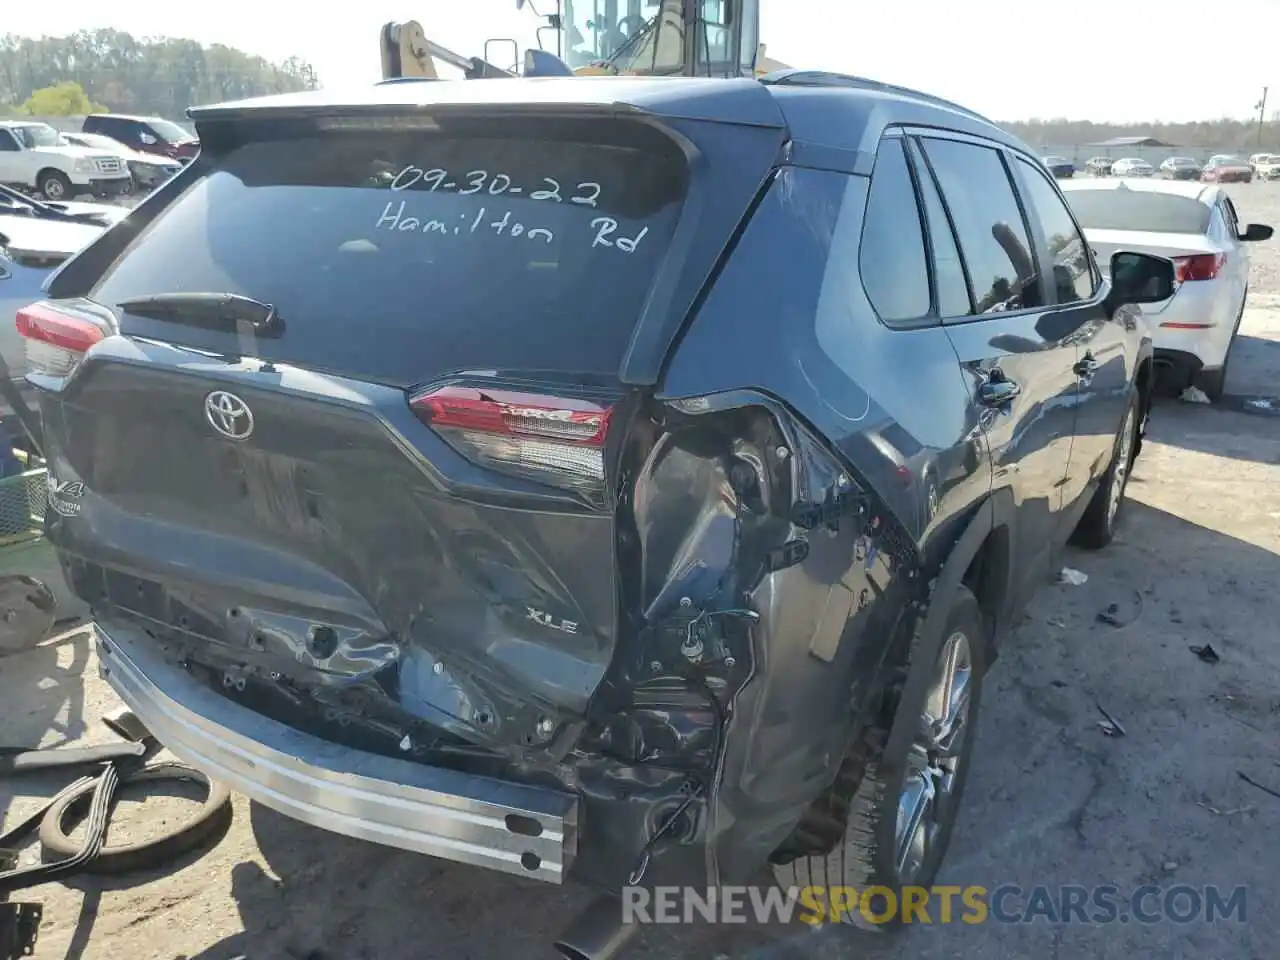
[1261, 107]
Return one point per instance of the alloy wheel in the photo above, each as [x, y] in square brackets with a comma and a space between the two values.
[928, 786]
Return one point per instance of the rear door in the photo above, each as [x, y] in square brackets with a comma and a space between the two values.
[1104, 367]
[1017, 351]
[410, 456]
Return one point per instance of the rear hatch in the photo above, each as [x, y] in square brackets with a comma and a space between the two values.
[384, 474]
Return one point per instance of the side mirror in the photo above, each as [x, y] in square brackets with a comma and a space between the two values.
[1140, 278]
[1256, 233]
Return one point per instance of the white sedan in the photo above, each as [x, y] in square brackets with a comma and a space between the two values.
[1132, 167]
[1196, 226]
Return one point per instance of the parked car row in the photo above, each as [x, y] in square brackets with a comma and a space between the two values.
[111, 156]
[1220, 168]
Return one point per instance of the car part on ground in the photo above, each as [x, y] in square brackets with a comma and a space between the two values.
[627, 520]
[121, 764]
[1196, 226]
[28, 608]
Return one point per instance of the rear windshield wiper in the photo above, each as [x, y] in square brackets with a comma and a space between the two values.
[216, 311]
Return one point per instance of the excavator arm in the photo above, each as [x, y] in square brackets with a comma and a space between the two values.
[606, 37]
[407, 53]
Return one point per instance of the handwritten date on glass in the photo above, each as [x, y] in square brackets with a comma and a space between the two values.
[587, 192]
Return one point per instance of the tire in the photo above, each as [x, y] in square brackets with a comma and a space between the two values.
[1214, 382]
[865, 856]
[1098, 525]
[54, 185]
[213, 816]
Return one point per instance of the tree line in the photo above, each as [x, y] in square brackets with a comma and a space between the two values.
[152, 76]
[1225, 134]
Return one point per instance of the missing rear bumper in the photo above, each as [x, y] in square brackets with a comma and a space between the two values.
[480, 821]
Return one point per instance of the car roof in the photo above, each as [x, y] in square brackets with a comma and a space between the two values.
[1206, 193]
[824, 109]
[122, 116]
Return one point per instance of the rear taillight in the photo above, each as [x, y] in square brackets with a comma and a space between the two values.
[552, 440]
[56, 338]
[1201, 266]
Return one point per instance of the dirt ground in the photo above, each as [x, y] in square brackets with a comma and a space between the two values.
[1052, 799]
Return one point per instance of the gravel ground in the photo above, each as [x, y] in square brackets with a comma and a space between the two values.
[1052, 800]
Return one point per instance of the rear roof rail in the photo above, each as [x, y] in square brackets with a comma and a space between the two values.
[827, 78]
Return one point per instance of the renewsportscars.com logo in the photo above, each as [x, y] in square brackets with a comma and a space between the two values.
[1098, 905]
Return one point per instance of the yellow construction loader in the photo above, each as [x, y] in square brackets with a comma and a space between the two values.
[703, 38]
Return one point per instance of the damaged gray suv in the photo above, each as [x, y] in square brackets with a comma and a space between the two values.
[626, 481]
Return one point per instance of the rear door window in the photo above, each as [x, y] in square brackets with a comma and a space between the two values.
[993, 237]
[397, 255]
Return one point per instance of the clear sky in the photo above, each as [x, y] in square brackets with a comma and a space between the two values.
[1010, 59]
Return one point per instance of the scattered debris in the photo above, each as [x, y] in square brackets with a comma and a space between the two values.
[1206, 653]
[1058, 623]
[1073, 577]
[1114, 617]
[1111, 726]
[1263, 404]
[1254, 783]
[1225, 813]
[1169, 866]
[1194, 395]
[1057, 683]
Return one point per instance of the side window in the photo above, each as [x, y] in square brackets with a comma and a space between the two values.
[993, 238]
[892, 262]
[1073, 278]
[948, 269]
[7, 143]
[1233, 222]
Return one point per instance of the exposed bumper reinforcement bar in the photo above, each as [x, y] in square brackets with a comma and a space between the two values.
[442, 813]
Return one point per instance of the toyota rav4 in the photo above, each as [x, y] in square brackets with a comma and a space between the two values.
[625, 480]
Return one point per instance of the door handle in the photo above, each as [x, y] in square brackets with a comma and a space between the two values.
[1086, 367]
[998, 390]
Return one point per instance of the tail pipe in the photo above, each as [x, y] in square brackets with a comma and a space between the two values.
[599, 933]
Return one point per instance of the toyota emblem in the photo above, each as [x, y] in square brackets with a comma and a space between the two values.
[229, 415]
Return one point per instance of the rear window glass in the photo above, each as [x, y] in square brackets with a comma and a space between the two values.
[399, 254]
[1144, 211]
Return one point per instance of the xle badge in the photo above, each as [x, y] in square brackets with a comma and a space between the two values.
[64, 496]
[545, 619]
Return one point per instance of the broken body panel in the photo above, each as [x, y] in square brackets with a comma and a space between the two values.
[689, 645]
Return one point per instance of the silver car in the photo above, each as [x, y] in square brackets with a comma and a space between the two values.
[1196, 226]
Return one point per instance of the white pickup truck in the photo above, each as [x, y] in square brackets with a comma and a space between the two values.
[34, 156]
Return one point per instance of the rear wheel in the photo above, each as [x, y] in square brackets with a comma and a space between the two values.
[1098, 525]
[903, 807]
[1214, 382]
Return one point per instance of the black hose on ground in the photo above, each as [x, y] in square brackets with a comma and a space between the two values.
[92, 854]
